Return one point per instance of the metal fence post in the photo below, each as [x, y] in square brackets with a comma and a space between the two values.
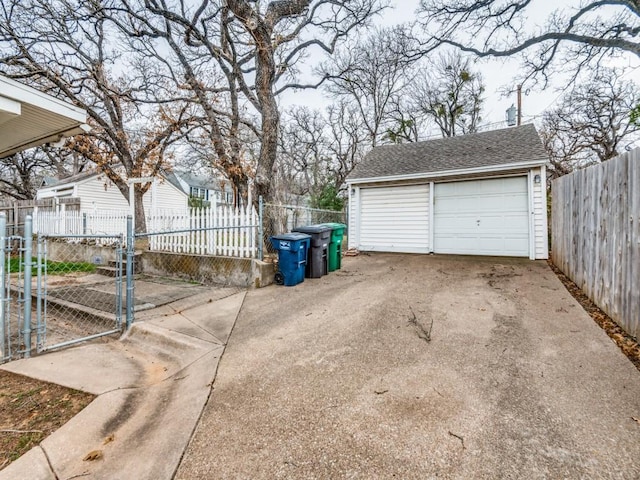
[3, 244]
[130, 286]
[28, 265]
[39, 320]
[260, 228]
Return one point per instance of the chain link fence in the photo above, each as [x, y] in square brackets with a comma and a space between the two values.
[279, 219]
[61, 289]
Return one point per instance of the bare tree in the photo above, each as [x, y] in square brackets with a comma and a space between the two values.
[406, 124]
[579, 36]
[254, 49]
[347, 141]
[318, 150]
[591, 124]
[73, 50]
[22, 174]
[371, 74]
[449, 93]
[304, 150]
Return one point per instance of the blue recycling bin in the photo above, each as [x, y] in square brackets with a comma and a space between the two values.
[292, 257]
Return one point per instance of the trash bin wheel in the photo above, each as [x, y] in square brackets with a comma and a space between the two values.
[279, 278]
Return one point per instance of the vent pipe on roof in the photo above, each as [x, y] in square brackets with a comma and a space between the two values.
[511, 115]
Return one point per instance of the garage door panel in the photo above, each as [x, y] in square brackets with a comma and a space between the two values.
[482, 217]
[395, 219]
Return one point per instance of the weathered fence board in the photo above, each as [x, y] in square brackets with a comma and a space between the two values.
[17, 210]
[595, 218]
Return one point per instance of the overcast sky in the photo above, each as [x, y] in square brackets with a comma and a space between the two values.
[497, 74]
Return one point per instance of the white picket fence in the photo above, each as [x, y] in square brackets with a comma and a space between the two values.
[64, 222]
[220, 230]
[224, 230]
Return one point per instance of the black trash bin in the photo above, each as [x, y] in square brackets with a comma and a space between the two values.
[317, 262]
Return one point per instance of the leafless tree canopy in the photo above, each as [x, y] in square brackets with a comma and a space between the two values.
[152, 73]
[234, 57]
[77, 52]
[372, 74]
[22, 174]
[318, 150]
[581, 35]
[591, 124]
[449, 93]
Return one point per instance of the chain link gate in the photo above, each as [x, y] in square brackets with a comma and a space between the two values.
[77, 301]
[51, 297]
[11, 295]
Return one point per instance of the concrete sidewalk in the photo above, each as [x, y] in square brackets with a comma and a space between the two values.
[151, 388]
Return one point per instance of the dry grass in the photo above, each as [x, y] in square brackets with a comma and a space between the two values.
[30, 410]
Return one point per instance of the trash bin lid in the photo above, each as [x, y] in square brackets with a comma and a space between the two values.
[292, 237]
[333, 225]
[312, 229]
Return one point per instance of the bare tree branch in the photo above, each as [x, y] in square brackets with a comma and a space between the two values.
[497, 28]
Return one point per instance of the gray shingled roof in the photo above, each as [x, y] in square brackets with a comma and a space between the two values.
[496, 147]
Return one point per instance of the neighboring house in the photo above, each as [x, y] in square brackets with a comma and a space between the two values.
[171, 192]
[478, 194]
[98, 193]
[212, 191]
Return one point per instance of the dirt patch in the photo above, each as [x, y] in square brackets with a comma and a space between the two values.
[626, 342]
[30, 410]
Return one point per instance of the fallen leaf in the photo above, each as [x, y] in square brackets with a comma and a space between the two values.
[93, 455]
[635, 419]
[109, 439]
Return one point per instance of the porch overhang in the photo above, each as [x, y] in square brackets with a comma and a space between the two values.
[30, 118]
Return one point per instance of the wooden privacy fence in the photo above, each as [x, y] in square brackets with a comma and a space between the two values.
[596, 235]
[17, 210]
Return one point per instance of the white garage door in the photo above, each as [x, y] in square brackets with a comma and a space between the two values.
[482, 217]
[395, 219]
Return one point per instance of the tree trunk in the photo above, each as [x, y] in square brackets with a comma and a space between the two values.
[141, 221]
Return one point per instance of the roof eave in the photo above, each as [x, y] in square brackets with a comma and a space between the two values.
[23, 93]
[450, 173]
[50, 138]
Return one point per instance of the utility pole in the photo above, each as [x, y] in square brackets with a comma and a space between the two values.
[519, 105]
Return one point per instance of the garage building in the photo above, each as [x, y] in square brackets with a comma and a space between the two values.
[478, 194]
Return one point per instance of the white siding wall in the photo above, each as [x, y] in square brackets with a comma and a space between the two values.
[168, 197]
[354, 218]
[100, 193]
[540, 228]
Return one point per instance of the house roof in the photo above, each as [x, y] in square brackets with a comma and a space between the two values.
[29, 118]
[199, 181]
[499, 148]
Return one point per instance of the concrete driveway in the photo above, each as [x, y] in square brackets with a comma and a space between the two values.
[334, 379]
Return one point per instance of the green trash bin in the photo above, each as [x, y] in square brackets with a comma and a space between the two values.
[335, 245]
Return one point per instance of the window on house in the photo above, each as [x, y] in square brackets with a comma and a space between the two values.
[197, 192]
